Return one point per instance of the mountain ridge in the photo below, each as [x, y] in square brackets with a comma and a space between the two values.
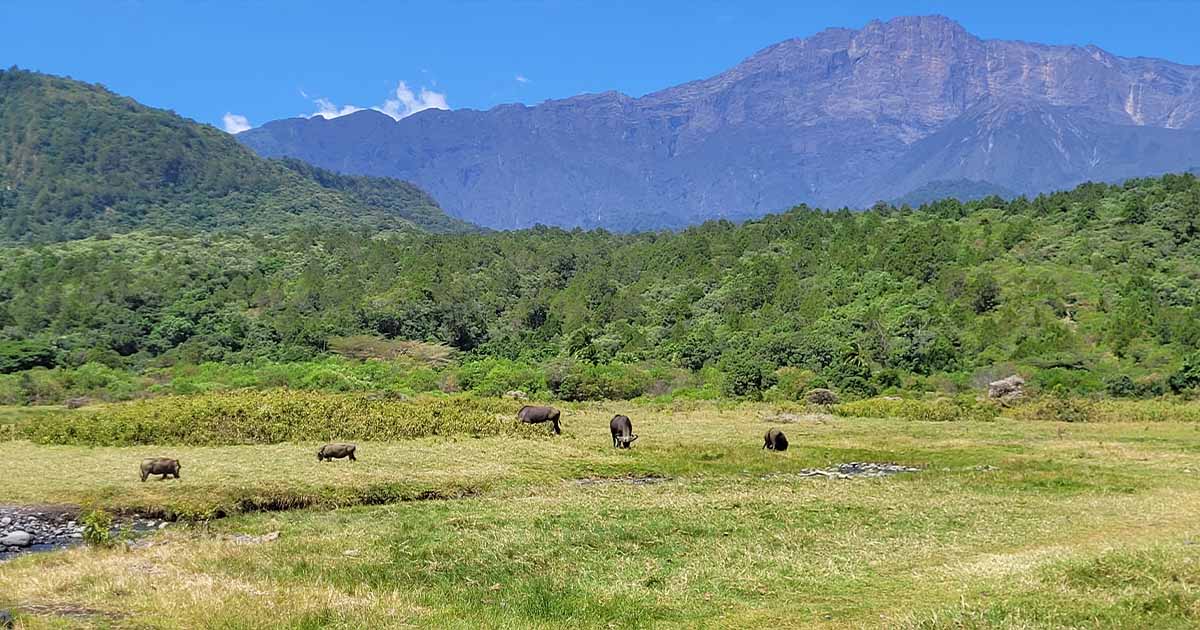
[844, 117]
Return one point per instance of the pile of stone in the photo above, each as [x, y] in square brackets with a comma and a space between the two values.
[1008, 391]
[24, 529]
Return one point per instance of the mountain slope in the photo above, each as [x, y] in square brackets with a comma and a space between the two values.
[76, 159]
[845, 117]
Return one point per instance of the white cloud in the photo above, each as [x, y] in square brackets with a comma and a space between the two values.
[326, 109]
[522, 79]
[235, 123]
[404, 102]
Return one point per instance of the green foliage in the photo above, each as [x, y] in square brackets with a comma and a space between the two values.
[603, 382]
[1188, 376]
[1059, 406]
[16, 356]
[274, 416]
[495, 377]
[77, 160]
[962, 408]
[98, 529]
[870, 302]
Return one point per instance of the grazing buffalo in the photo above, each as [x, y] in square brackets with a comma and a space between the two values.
[775, 440]
[336, 451]
[622, 431]
[160, 466]
[532, 414]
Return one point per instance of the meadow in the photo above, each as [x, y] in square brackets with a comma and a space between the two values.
[1012, 522]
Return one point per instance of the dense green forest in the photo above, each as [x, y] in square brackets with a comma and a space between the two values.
[1096, 290]
[77, 160]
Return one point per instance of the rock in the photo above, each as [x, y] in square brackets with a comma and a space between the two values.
[76, 403]
[353, 553]
[17, 539]
[1007, 390]
[5, 521]
[516, 394]
[821, 396]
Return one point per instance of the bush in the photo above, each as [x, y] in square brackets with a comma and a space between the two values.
[1188, 376]
[790, 384]
[273, 416]
[746, 376]
[97, 529]
[1060, 406]
[17, 356]
[613, 381]
[936, 410]
[494, 377]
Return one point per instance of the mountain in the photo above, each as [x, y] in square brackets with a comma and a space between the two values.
[961, 189]
[844, 117]
[78, 160]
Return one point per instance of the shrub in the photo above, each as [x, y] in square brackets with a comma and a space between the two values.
[1188, 376]
[746, 376]
[790, 384]
[612, 381]
[936, 410]
[1060, 406]
[273, 416]
[494, 376]
[97, 529]
[1120, 387]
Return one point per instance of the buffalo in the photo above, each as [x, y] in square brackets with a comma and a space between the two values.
[336, 451]
[622, 431]
[160, 466]
[775, 440]
[532, 414]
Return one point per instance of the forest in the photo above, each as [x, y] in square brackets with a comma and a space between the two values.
[77, 160]
[1094, 291]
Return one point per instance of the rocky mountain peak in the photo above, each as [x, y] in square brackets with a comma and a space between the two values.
[842, 117]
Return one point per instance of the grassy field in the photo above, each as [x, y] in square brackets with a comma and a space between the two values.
[1010, 524]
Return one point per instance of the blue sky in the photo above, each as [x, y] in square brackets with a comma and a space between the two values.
[268, 60]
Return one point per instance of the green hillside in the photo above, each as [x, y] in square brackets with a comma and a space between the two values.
[77, 160]
[1094, 290]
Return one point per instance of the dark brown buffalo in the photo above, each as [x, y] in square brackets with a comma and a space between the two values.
[160, 466]
[533, 414]
[336, 451]
[622, 431]
[775, 440]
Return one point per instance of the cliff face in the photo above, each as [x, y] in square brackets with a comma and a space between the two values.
[845, 117]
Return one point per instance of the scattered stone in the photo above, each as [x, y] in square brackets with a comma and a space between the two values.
[516, 394]
[635, 480]
[985, 468]
[1007, 390]
[352, 553]
[247, 539]
[50, 528]
[852, 470]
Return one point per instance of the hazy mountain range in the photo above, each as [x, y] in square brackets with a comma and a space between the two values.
[844, 117]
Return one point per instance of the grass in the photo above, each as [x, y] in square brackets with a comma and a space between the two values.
[1011, 524]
